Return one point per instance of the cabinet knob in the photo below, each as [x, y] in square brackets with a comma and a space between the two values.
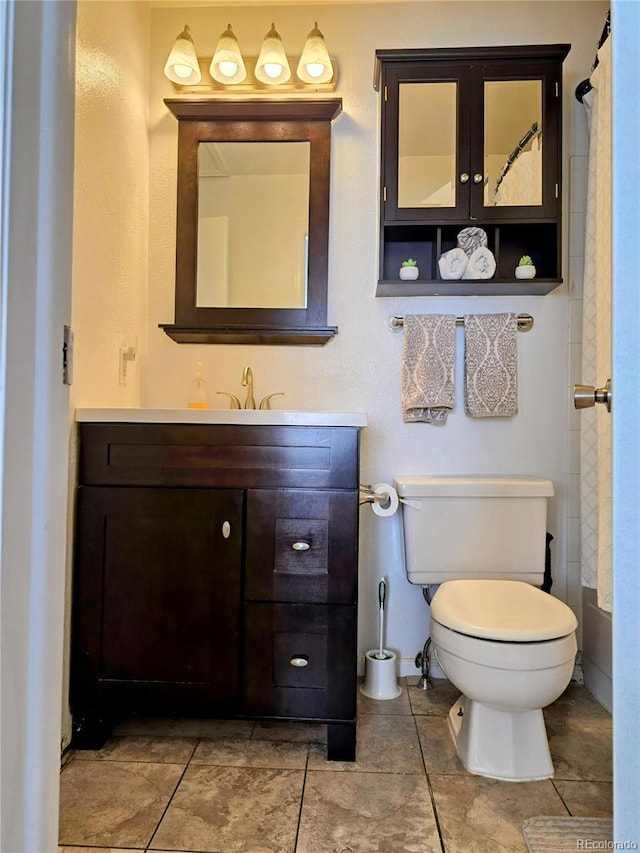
[226, 529]
[464, 177]
[478, 178]
[299, 661]
[301, 546]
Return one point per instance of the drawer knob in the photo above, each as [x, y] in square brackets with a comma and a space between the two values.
[301, 546]
[299, 661]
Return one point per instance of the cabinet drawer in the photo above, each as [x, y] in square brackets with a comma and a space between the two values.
[301, 546]
[322, 638]
[218, 455]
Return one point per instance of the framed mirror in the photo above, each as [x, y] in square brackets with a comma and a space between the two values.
[252, 227]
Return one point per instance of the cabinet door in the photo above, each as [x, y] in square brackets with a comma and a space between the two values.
[302, 545]
[156, 600]
[426, 145]
[515, 149]
[471, 142]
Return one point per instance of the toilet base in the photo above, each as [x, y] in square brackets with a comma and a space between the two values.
[510, 745]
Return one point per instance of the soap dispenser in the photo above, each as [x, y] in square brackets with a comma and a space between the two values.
[198, 390]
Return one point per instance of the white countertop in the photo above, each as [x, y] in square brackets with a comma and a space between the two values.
[254, 417]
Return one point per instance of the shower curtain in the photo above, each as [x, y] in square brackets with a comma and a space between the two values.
[522, 185]
[595, 424]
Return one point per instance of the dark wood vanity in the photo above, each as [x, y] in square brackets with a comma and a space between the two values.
[216, 575]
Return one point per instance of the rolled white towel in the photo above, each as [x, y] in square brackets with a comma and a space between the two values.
[452, 264]
[481, 264]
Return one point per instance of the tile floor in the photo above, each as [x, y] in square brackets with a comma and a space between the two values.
[242, 787]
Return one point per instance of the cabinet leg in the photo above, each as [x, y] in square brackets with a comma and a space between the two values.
[341, 741]
[91, 731]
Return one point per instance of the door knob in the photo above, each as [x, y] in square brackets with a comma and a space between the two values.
[585, 396]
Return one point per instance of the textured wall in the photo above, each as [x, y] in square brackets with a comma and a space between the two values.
[111, 204]
[360, 368]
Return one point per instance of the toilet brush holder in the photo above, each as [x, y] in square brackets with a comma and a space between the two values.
[380, 680]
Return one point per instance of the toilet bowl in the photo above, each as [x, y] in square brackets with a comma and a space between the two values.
[509, 648]
[506, 645]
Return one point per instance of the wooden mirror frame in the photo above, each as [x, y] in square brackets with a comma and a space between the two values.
[255, 121]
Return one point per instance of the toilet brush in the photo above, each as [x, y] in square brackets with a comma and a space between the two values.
[380, 665]
[382, 594]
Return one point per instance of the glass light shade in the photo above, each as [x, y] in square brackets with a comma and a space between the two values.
[182, 65]
[227, 65]
[272, 66]
[315, 63]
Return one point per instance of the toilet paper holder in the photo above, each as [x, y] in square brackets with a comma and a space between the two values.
[381, 494]
[367, 495]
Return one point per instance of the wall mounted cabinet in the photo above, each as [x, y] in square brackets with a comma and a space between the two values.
[216, 576]
[470, 136]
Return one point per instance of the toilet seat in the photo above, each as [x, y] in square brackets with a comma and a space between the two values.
[501, 610]
[501, 654]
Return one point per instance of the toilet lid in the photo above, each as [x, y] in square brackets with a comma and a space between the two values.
[501, 610]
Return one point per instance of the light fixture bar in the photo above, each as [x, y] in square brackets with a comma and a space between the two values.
[251, 86]
[228, 72]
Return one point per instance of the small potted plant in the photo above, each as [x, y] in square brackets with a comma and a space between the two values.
[525, 268]
[409, 270]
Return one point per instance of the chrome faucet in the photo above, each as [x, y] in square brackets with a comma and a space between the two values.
[249, 403]
[247, 382]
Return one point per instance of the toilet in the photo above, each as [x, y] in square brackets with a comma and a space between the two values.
[506, 645]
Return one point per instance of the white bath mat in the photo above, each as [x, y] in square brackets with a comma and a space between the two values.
[560, 834]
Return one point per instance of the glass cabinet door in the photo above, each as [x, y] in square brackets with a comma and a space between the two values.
[427, 149]
[427, 133]
[468, 143]
[514, 141]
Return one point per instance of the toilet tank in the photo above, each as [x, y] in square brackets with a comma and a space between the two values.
[474, 527]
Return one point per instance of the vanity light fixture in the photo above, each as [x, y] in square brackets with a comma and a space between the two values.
[315, 63]
[227, 65]
[182, 65]
[272, 66]
[228, 71]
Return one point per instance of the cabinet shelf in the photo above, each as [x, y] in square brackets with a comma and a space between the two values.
[468, 287]
[508, 243]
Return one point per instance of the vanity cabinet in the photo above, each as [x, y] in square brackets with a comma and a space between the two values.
[470, 137]
[216, 576]
[155, 597]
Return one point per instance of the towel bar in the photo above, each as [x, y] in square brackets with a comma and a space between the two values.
[524, 321]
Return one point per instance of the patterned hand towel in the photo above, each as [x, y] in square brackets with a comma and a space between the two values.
[490, 365]
[428, 364]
